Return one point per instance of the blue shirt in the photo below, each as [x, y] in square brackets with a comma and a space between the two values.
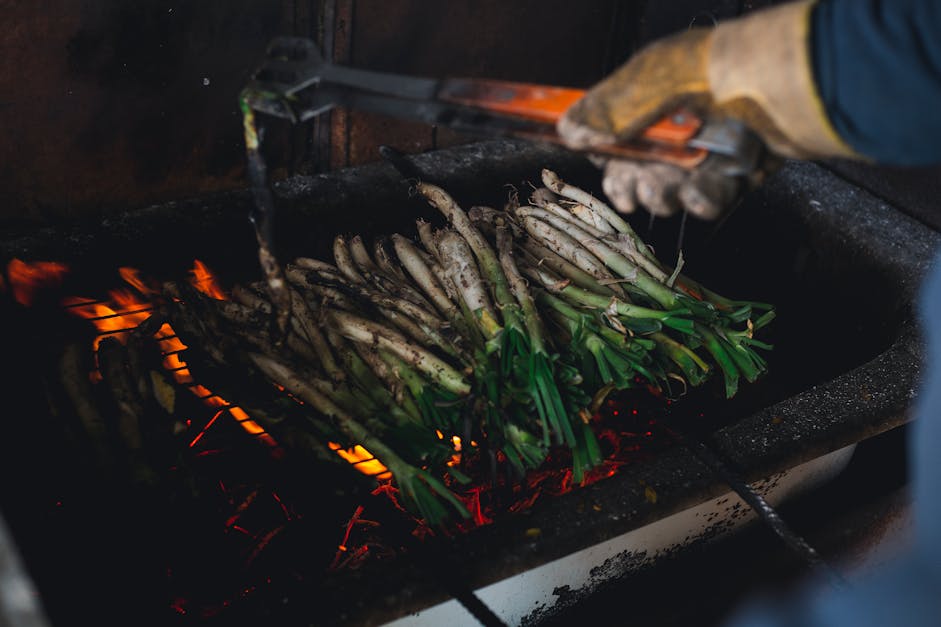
[877, 65]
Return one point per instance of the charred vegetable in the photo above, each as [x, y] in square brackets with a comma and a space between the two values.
[504, 328]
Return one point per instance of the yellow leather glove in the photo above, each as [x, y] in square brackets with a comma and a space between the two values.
[756, 69]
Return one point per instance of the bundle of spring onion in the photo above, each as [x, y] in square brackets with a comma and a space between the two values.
[506, 328]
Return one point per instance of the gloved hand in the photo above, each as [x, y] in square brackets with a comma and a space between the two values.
[756, 69]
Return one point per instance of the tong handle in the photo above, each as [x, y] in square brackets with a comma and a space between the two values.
[546, 104]
[293, 65]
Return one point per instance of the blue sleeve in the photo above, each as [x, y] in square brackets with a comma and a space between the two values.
[877, 64]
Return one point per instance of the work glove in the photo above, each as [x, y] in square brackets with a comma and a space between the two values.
[755, 69]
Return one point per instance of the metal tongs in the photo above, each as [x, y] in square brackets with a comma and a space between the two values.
[295, 83]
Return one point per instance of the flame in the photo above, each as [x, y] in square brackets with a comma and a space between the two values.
[127, 308]
[205, 281]
[363, 460]
[27, 279]
[132, 277]
[125, 312]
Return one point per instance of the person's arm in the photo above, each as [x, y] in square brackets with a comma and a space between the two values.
[877, 67]
[857, 79]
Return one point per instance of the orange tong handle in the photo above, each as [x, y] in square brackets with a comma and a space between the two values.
[546, 104]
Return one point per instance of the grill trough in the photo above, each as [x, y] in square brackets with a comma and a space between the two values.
[841, 267]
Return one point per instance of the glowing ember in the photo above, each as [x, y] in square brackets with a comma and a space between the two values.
[259, 518]
[127, 308]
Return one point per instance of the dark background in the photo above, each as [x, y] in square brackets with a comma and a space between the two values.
[109, 105]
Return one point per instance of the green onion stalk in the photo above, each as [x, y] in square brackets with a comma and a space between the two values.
[508, 328]
[420, 490]
[524, 359]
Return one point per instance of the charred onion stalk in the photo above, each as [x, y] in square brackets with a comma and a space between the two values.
[262, 218]
[507, 328]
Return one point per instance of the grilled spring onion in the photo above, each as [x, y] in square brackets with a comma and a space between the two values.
[506, 328]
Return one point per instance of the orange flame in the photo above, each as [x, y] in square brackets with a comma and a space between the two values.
[27, 279]
[132, 277]
[363, 460]
[129, 311]
[111, 318]
[205, 281]
[126, 309]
